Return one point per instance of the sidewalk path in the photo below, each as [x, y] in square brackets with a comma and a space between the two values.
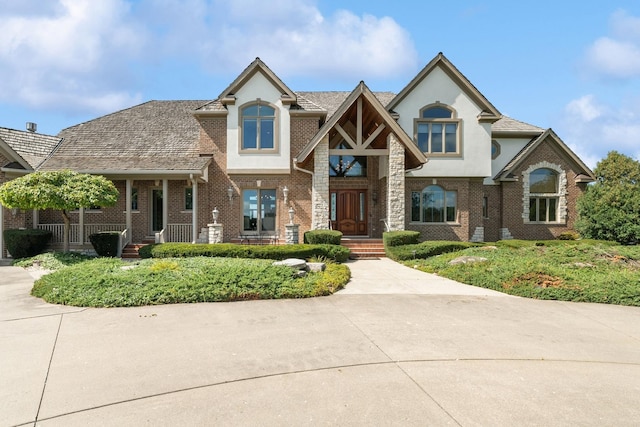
[449, 357]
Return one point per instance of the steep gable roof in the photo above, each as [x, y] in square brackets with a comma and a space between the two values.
[257, 66]
[415, 156]
[27, 149]
[489, 112]
[584, 175]
[155, 135]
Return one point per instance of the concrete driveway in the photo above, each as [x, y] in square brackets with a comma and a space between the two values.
[396, 347]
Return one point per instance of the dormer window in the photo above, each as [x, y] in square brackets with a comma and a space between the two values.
[438, 131]
[258, 121]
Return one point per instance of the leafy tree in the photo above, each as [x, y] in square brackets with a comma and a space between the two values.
[63, 190]
[610, 208]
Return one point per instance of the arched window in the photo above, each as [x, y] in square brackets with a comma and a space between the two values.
[437, 130]
[434, 204]
[544, 194]
[258, 126]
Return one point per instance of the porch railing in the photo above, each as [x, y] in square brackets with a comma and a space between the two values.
[179, 232]
[123, 241]
[74, 231]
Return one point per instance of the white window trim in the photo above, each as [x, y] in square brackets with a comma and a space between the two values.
[561, 195]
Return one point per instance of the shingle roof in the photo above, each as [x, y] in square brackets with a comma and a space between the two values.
[152, 136]
[509, 125]
[331, 101]
[32, 147]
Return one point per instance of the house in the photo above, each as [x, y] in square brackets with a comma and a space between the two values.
[437, 157]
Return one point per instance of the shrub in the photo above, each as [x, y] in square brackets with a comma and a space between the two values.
[230, 250]
[321, 237]
[426, 249]
[399, 238]
[569, 235]
[26, 243]
[105, 243]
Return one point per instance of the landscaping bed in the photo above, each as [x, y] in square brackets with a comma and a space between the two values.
[111, 282]
[585, 271]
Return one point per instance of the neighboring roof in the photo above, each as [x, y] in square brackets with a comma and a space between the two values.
[28, 149]
[507, 126]
[155, 135]
[489, 112]
[412, 152]
[584, 173]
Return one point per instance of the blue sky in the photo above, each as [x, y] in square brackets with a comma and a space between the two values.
[572, 66]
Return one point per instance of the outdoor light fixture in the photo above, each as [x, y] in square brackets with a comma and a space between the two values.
[291, 213]
[215, 212]
[230, 194]
[285, 193]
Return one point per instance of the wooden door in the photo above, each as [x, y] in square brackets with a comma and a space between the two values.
[349, 212]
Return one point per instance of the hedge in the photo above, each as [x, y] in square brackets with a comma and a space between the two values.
[400, 238]
[322, 237]
[230, 250]
[426, 249]
[24, 243]
[105, 243]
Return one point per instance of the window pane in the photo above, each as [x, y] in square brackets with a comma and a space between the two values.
[333, 206]
[485, 207]
[188, 199]
[543, 181]
[451, 205]
[436, 113]
[362, 207]
[542, 209]
[266, 134]
[250, 210]
[266, 111]
[415, 206]
[533, 212]
[436, 138]
[249, 134]
[451, 138]
[251, 110]
[134, 199]
[552, 210]
[268, 210]
[423, 137]
[433, 202]
[347, 166]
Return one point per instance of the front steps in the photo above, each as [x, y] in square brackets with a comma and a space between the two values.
[364, 248]
[131, 250]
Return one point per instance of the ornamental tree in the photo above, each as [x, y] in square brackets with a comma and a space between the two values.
[63, 190]
[610, 208]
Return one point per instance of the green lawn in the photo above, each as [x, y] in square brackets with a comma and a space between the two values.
[110, 282]
[554, 270]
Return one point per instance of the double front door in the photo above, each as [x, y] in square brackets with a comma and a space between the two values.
[348, 212]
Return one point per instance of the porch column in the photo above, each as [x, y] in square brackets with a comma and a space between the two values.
[165, 207]
[194, 210]
[128, 221]
[395, 183]
[320, 186]
[36, 218]
[80, 226]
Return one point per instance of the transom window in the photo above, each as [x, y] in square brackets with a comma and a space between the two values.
[434, 204]
[543, 195]
[258, 127]
[437, 130]
[347, 165]
[259, 210]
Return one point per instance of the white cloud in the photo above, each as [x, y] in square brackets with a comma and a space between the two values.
[85, 55]
[618, 55]
[73, 58]
[592, 129]
[291, 36]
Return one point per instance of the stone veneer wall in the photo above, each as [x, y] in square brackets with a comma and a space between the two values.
[395, 193]
[320, 186]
